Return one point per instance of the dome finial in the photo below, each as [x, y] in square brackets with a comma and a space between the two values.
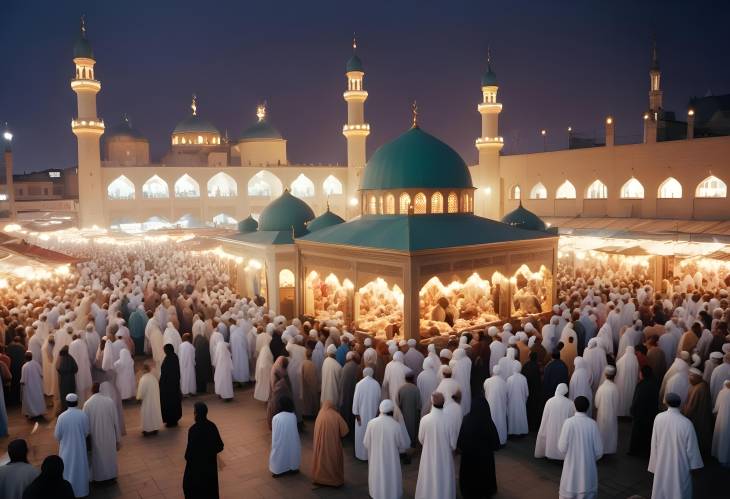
[83, 26]
[414, 110]
[489, 56]
[354, 42]
[194, 105]
[654, 56]
[261, 111]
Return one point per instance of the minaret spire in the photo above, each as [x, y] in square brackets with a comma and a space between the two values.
[414, 110]
[83, 26]
[194, 105]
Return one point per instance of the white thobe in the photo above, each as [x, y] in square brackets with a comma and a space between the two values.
[606, 415]
[187, 368]
[297, 356]
[215, 338]
[239, 354]
[31, 379]
[72, 427]
[517, 393]
[506, 366]
[198, 328]
[172, 336]
[393, 379]
[495, 391]
[364, 404]
[92, 344]
[556, 411]
[496, 351]
[264, 361]
[581, 444]
[384, 442]
[125, 379]
[719, 375]
[436, 477]
[105, 435]
[461, 373]
[627, 375]
[148, 392]
[580, 385]
[158, 348]
[49, 369]
[678, 384]
[674, 453]
[549, 337]
[286, 448]
[595, 359]
[331, 381]
[80, 353]
[721, 435]
[223, 377]
[427, 382]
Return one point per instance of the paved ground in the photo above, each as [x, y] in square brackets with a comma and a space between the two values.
[152, 467]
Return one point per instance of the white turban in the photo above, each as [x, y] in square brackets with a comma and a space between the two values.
[386, 406]
[331, 349]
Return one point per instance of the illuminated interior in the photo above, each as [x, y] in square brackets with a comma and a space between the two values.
[711, 187]
[328, 298]
[566, 191]
[597, 190]
[332, 186]
[302, 187]
[538, 191]
[187, 187]
[155, 188]
[264, 184]
[531, 291]
[632, 189]
[120, 188]
[379, 307]
[222, 185]
[670, 189]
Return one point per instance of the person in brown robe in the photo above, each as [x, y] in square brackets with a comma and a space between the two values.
[280, 387]
[698, 409]
[655, 357]
[328, 466]
[310, 387]
[568, 354]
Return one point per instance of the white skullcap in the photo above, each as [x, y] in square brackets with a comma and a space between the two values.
[531, 341]
[331, 349]
[507, 327]
[684, 355]
[609, 370]
[402, 343]
[350, 356]
[386, 406]
[512, 340]
[496, 370]
[556, 309]
[445, 353]
[368, 342]
[695, 371]
[562, 389]
[529, 328]
[521, 335]
[462, 340]
[368, 372]
[716, 355]
[726, 348]
[696, 360]
[431, 348]
[427, 363]
[492, 331]
[313, 334]
[398, 356]
[392, 349]
[72, 397]
[411, 343]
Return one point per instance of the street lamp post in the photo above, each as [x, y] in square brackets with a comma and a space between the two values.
[8, 156]
[543, 132]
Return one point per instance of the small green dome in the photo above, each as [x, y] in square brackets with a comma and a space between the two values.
[248, 224]
[522, 218]
[82, 49]
[416, 159]
[261, 130]
[489, 78]
[195, 124]
[354, 64]
[284, 213]
[326, 219]
[123, 129]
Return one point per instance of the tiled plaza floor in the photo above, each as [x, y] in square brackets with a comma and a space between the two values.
[152, 467]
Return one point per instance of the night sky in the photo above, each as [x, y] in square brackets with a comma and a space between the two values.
[559, 63]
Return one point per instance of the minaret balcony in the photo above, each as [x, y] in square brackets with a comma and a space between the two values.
[85, 85]
[489, 107]
[93, 126]
[355, 95]
[490, 142]
[359, 129]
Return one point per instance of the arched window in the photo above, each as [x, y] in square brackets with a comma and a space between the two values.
[390, 204]
[381, 208]
[302, 187]
[670, 189]
[419, 204]
[155, 188]
[632, 189]
[597, 190]
[286, 278]
[332, 185]
[538, 191]
[404, 203]
[372, 205]
[437, 202]
[515, 192]
[224, 219]
[711, 187]
[120, 188]
[187, 187]
[452, 203]
[222, 185]
[565, 191]
[264, 184]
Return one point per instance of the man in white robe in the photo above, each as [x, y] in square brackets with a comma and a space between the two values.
[31, 382]
[297, 356]
[215, 338]
[394, 377]
[239, 354]
[581, 444]
[72, 428]
[125, 379]
[331, 377]
[364, 407]
[461, 373]
[92, 340]
[627, 376]
[171, 336]
[106, 435]
[148, 391]
[80, 353]
[721, 435]
[549, 334]
[286, 447]
[606, 415]
[580, 383]
[674, 452]
[517, 393]
[557, 410]
[506, 364]
[595, 359]
[436, 476]
[427, 382]
[187, 366]
[719, 375]
[385, 441]
[223, 377]
[497, 349]
[264, 362]
[495, 391]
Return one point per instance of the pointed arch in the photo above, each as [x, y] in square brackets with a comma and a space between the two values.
[222, 185]
[155, 188]
[390, 204]
[224, 219]
[120, 188]
[566, 190]
[302, 187]
[597, 190]
[187, 187]
[711, 187]
[332, 186]
[452, 203]
[632, 189]
[538, 191]
[264, 184]
[670, 189]
[437, 202]
[515, 192]
[403, 203]
[372, 205]
[419, 204]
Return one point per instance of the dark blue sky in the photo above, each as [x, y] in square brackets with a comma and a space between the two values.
[559, 63]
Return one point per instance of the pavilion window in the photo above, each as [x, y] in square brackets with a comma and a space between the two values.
[566, 191]
[437, 202]
[632, 189]
[711, 187]
[405, 202]
[381, 205]
[372, 205]
[453, 203]
[670, 189]
[419, 204]
[597, 190]
[538, 191]
[390, 204]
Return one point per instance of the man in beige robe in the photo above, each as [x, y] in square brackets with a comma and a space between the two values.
[328, 466]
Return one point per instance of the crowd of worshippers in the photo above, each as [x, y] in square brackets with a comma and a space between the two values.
[611, 349]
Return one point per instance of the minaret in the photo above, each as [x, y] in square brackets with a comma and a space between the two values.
[88, 129]
[653, 115]
[488, 196]
[356, 130]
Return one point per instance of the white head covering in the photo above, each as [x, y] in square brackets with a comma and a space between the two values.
[368, 342]
[386, 406]
[562, 389]
[331, 349]
[445, 353]
[72, 397]
[492, 331]
[367, 372]
[411, 343]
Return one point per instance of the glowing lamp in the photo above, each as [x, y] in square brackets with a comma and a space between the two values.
[353, 201]
[8, 136]
[488, 191]
[543, 132]
[609, 120]
[691, 112]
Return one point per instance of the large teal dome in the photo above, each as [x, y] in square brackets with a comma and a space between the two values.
[284, 213]
[522, 218]
[416, 160]
[326, 219]
[195, 124]
[261, 130]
